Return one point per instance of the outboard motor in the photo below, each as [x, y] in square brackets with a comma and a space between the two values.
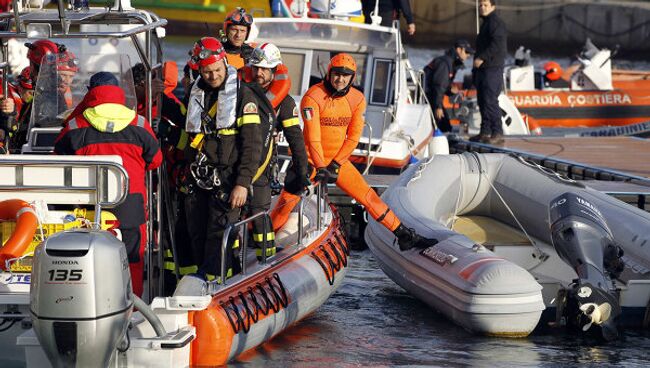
[81, 298]
[582, 238]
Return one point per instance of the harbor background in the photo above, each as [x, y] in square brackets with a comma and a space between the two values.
[545, 26]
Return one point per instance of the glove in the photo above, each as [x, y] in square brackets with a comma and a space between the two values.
[322, 176]
[333, 170]
[304, 181]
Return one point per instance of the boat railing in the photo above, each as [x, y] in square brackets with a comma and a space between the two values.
[65, 180]
[233, 229]
[417, 76]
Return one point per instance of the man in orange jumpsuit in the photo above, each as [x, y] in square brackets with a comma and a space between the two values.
[332, 112]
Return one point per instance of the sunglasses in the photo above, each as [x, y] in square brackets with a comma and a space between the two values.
[205, 53]
[242, 18]
[257, 56]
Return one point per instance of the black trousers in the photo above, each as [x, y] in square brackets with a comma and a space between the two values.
[489, 83]
[261, 201]
[207, 218]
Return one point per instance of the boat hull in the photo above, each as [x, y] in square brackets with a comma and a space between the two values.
[575, 109]
[471, 202]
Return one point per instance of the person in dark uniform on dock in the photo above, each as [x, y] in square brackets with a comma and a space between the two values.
[491, 48]
[390, 10]
[438, 77]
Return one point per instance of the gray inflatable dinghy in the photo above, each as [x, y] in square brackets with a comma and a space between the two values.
[516, 239]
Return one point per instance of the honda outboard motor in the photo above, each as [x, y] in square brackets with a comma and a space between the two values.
[582, 239]
[81, 298]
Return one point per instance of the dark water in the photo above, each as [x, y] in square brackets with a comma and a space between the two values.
[371, 321]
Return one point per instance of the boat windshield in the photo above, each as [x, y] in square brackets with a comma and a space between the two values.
[63, 81]
[324, 34]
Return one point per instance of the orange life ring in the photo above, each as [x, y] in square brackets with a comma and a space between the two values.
[26, 225]
[279, 88]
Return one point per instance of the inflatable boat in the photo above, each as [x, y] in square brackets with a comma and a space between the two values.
[515, 240]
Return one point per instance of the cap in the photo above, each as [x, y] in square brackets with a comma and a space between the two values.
[464, 44]
[103, 79]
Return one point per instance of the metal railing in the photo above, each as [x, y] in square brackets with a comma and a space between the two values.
[99, 188]
[321, 198]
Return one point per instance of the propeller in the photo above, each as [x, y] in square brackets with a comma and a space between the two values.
[598, 314]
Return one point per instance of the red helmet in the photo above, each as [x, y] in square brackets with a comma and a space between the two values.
[40, 48]
[238, 17]
[206, 51]
[67, 61]
[342, 63]
[25, 78]
[553, 71]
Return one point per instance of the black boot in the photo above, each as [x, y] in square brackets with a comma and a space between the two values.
[407, 239]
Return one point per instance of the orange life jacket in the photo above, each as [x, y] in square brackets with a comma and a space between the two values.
[278, 89]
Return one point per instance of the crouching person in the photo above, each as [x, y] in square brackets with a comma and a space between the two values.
[102, 125]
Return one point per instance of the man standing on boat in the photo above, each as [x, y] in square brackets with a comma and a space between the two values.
[224, 123]
[332, 112]
[237, 27]
[491, 49]
[439, 75]
[102, 125]
[265, 62]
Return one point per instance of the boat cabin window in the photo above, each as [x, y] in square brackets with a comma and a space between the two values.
[321, 60]
[296, 64]
[382, 71]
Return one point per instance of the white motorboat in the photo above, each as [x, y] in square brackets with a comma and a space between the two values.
[516, 239]
[399, 121]
[78, 297]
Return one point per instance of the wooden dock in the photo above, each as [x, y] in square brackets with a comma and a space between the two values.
[580, 158]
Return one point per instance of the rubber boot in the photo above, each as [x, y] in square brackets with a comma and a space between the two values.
[407, 238]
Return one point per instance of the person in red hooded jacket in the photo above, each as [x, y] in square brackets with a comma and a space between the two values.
[102, 125]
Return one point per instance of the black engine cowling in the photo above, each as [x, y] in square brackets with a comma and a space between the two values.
[582, 238]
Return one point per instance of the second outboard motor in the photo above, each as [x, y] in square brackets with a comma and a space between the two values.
[582, 239]
[81, 298]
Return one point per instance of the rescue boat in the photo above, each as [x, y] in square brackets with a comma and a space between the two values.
[516, 240]
[79, 276]
[588, 94]
[399, 121]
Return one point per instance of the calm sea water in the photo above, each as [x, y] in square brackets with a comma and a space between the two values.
[371, 321]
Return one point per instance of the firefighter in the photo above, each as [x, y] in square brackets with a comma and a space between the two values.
[102, 125]
[237, 28]
[224, 123]
[265, 62]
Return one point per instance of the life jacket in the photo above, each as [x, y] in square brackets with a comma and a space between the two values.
[279, 87]
[223, 112]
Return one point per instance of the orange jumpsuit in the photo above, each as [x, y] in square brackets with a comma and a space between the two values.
[333, 127]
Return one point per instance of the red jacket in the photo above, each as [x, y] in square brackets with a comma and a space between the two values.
[102, 125]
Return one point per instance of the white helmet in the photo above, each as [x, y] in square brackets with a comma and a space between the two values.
[266, 55]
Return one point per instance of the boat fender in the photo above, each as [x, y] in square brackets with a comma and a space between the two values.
[26, 225]
[439, 145]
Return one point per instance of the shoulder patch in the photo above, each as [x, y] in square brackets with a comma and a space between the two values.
[295, 111]
[250, 108]
[307, 113]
